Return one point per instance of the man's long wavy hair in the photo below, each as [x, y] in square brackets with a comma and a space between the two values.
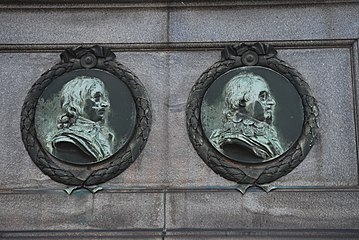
[73, 98]
[238, 91]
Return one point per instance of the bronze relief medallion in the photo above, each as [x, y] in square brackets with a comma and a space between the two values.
[251, 117]
[86, 119]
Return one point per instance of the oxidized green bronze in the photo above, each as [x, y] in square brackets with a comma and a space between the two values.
[86, 119]
[83, 120]
[74, 124]
[250, 116]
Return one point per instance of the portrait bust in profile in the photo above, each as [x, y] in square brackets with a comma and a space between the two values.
[82, 130]
[247, 118]
[250, 116]
[86, 119]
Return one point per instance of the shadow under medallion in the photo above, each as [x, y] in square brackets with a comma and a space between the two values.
[85, 116]
[252, 114]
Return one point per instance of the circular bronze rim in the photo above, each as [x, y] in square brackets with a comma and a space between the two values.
[118, 162]
[258, 173]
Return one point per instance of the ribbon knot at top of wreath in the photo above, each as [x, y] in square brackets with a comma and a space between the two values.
[80, 52]
[248, 54]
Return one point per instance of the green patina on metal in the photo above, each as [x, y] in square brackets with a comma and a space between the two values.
[78, 123]
[251, 117]
[87, 119]
[252, 114]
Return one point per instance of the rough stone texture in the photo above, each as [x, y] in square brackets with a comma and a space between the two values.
[82, 26]
[55, 210]
[275, 210]
[169, 147]
[18, 71]
[248, 23]
[28, 68]
[34, 206]
[333, 160]
[88, 235]
[337, 119]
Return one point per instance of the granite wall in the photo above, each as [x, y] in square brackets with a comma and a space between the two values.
[169, 192]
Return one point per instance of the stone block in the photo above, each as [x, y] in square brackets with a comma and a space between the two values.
[56, 210]
[332, 161]
[260, 210]
[83, 26]
[259, 23]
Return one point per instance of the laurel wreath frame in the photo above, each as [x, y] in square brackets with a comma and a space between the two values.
[235, 56]
[86, 58]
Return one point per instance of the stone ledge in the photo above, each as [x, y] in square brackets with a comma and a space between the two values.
[177, 46]
[186, 234]
[9, 4]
